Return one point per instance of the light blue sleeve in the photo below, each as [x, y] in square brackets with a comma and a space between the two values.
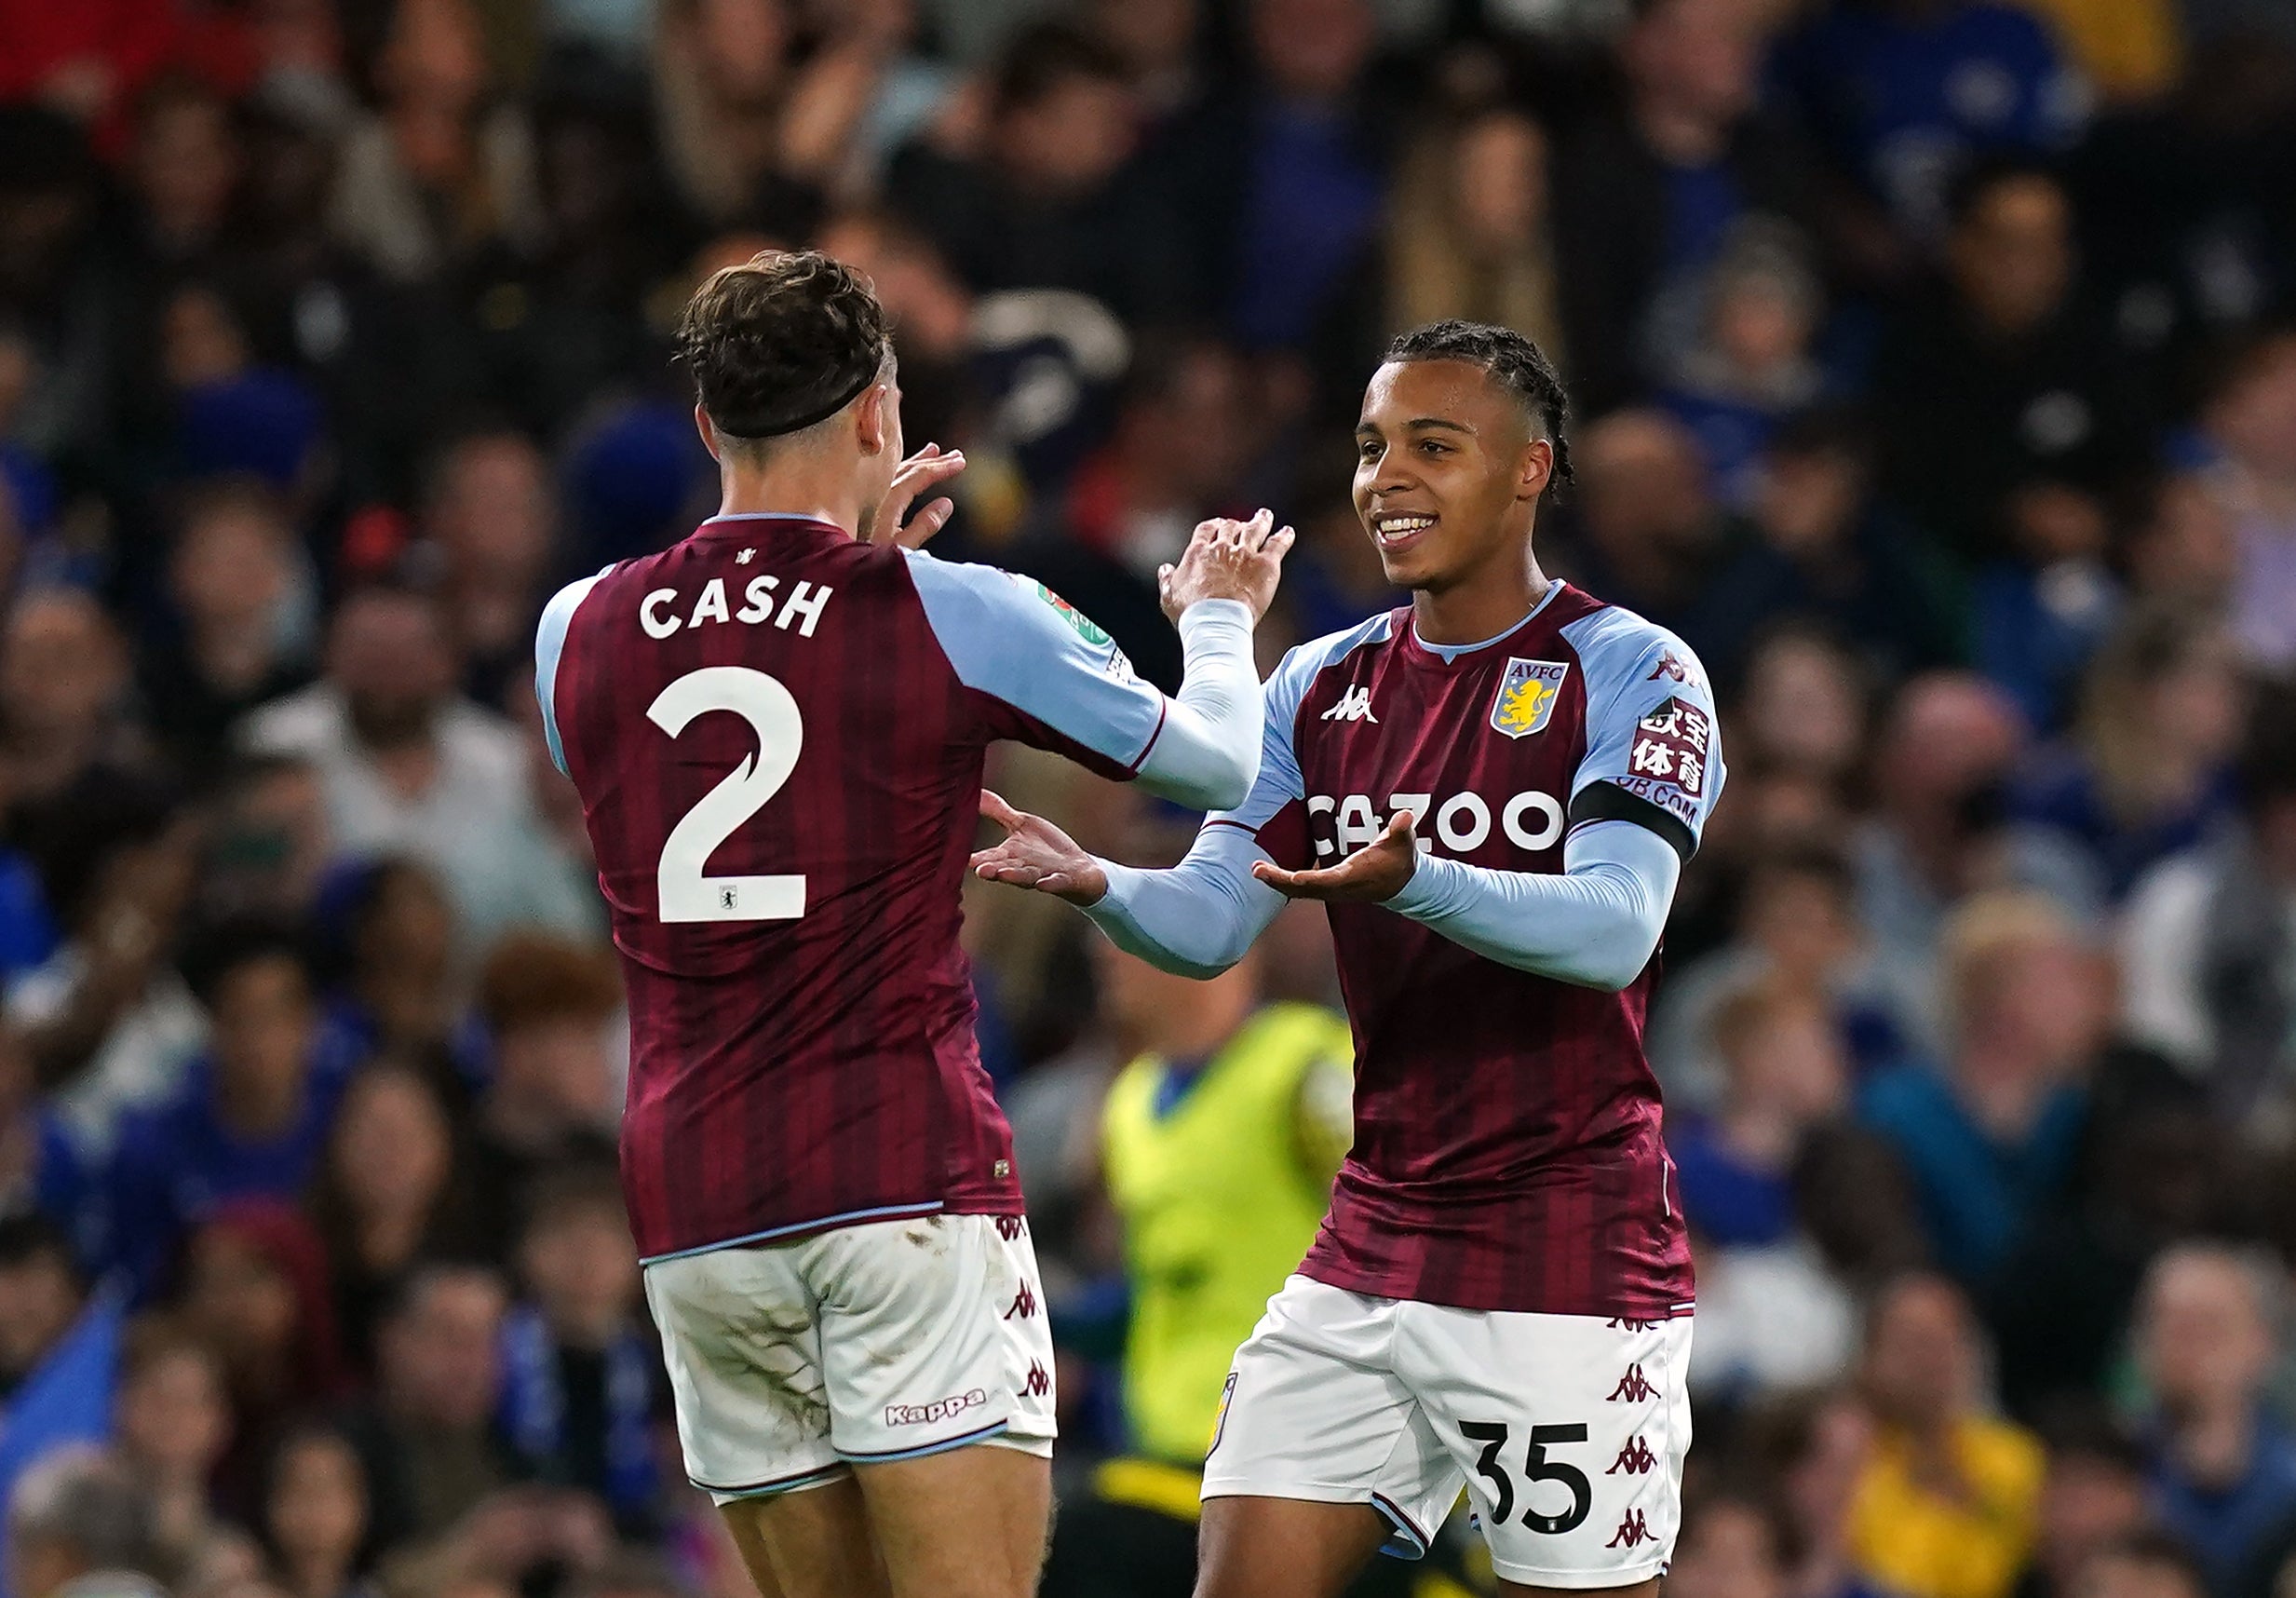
[1013, 639]
[1654, 742]
[1596, 925]
[1198, 918]
[549, 643]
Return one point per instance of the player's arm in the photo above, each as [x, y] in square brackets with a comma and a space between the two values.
[1052, 678]
[549, 644]
[1639, 800]
[1199, 917]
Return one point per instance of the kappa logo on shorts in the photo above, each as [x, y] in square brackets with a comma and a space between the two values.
[938, 1410]
[1635, 1460]
[1632, 1532]
[1037, 1384]
[1023, 1303]
[1011, 1227]
[1629, 1324]
[1634, 1387]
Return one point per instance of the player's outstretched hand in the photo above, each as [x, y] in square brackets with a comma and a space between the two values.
[927, 469]
[1227, 559]
[1038, 854]
[1374, 874]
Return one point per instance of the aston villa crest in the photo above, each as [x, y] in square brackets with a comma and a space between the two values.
[1527, 695]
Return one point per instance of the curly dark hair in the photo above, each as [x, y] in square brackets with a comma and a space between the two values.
[1512, 360]
[781, 342]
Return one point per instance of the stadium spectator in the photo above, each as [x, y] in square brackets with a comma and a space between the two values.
[1731, 1547]
[1947, 1506]
[2147, 770]
[1043, 204]
[1471, 232]
[1991, 1138]
[426, 1436]
[719, 76]
[184, 164]
[441, 168]
[1944, 752]
[1907, 93]
[251, 1114]
[174, 1423]
[488, 514]
[2141, 1566]
[2003, 371]
[412, 767]
[548, 1005]
[2092, 1502]
[393, 1190]
[582, 1388]
[81, 1524]
[254, 1283]
[1773, 1315]
[58, 1349]
[315, 1516]
[2222, 1467]
[1828, 550]
[1649, 530]
[2252, 422]
[239, 599]
[2203, 970]
[1750, 365]
[1647, 192]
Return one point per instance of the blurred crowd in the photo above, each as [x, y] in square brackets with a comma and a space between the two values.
[1933, 379]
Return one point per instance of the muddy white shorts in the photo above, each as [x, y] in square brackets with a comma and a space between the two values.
[866, 1344]
[1567, 1430]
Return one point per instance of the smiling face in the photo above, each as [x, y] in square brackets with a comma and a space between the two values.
[1447, 472]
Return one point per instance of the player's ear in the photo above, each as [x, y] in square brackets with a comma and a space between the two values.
[709, 433]
[1536, 469]
[871, 415]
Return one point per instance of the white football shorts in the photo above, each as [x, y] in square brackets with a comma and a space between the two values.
[1568, 1430]
[867, 1344]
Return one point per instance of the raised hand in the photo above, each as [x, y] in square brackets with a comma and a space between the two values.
[1036, 854]
[1227, 559]
[927, 469]
[1374, 874]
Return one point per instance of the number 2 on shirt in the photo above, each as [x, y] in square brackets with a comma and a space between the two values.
[771, 711]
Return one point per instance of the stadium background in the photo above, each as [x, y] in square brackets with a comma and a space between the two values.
[1930, 381]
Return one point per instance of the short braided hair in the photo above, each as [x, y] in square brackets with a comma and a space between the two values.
[1511, 360]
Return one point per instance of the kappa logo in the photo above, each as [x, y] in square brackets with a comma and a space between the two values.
[1023, 1303]
[1629, 1324]
[1635, 1460]
[938, 1410]
[1038, 1384]
[1632, 1532]
[1633, 1388]
[1010, 1226]
[1674, 666]
[1527, 694]
[1354, 705]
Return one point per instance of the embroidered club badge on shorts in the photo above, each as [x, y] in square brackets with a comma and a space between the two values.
[1527, 695]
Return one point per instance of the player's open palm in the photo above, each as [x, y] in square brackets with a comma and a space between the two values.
[1374, 874]
[1036, 854]
[1227, 559]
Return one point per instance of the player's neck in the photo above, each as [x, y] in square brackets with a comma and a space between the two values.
[1481, 605]
[797, 486]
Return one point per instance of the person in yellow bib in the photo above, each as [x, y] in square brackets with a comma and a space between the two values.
[1218, 1144]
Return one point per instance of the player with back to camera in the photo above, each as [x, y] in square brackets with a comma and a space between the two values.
[1501, 1294]
[776, 728]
